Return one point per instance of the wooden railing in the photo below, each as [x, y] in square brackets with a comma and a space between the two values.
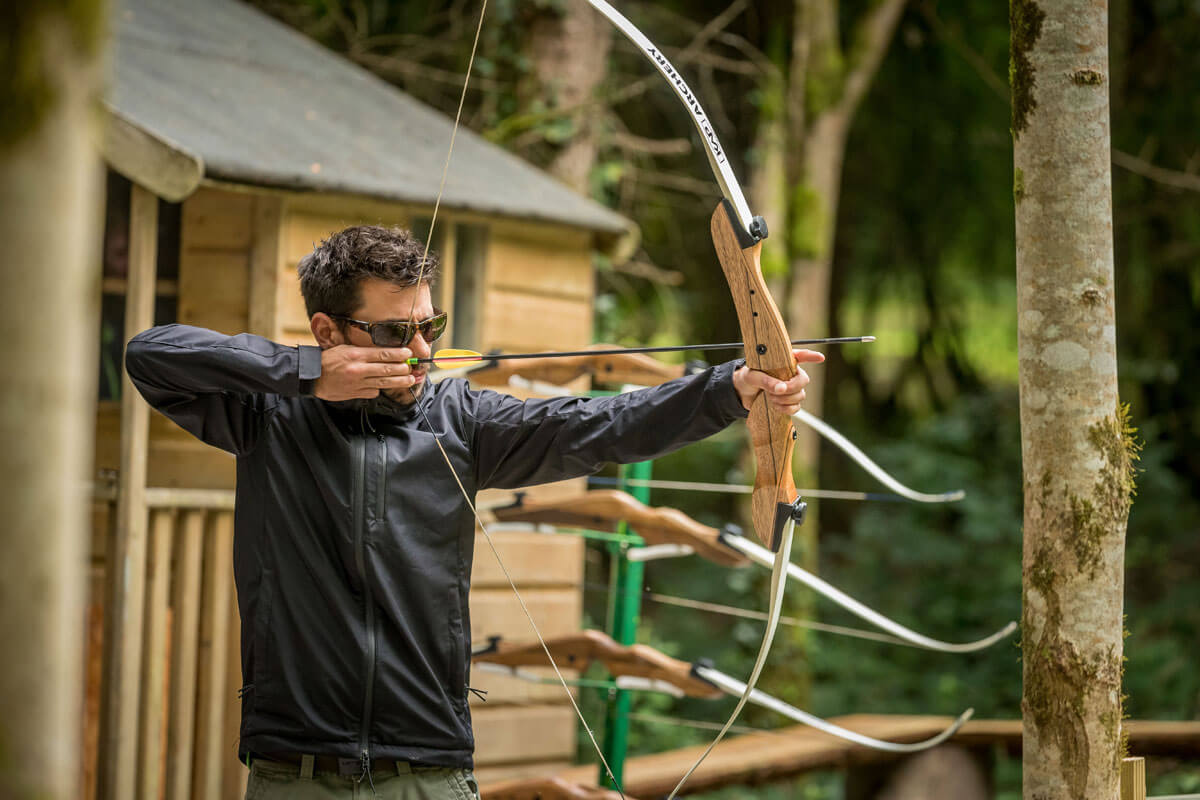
[185, 700]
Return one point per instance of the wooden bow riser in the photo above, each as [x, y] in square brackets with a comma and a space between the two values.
[767, 349]
[605, 509]
[578, 651]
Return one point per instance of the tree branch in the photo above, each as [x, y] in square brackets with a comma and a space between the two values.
[872, 36]
[1168, 177]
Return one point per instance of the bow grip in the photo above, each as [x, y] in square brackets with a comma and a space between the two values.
[769, 349]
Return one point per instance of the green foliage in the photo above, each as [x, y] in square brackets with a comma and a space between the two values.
[809, 216]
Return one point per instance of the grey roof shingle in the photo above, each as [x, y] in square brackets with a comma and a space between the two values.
[262, 104]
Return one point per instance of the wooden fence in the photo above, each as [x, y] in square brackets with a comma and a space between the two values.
[184, 702]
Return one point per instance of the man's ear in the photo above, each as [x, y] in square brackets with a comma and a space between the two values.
[325, 330]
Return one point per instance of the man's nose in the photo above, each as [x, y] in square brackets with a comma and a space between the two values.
[419, 346]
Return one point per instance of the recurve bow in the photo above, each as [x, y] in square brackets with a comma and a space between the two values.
[605, 509]
[701, 679]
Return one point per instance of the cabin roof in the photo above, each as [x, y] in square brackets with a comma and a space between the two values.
[252, 101]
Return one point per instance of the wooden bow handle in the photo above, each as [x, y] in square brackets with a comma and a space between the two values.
[604, 509]
[579, 650]
[769, 349]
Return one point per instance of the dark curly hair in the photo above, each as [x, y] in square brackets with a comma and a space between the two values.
[331, 275]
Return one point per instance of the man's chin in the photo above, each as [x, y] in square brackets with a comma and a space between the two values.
[405, 397]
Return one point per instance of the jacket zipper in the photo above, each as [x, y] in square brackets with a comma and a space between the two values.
[360, 558]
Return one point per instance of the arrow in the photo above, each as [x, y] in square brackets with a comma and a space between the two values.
[465, 358]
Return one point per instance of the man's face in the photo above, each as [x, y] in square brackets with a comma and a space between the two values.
[383, 301]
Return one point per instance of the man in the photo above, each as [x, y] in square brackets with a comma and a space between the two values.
[353, 541]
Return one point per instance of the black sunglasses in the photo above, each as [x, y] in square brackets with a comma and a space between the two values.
[398, 334]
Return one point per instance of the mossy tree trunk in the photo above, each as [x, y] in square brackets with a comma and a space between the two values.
[1077, 445]
[48, 319]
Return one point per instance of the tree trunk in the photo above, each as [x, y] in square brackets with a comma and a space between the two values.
[569, 48]
[826, 86]
[48, 320]
[1077, 446]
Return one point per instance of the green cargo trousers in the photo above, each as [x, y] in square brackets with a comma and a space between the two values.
[270, 780]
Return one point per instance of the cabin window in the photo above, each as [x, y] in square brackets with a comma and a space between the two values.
[114, 281]
[462, 248]
[470, 258]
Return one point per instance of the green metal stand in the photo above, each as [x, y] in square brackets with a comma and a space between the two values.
[624, 611]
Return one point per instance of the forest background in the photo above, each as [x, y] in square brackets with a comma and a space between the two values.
[921, 255]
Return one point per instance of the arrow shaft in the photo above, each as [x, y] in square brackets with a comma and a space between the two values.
[627, 350]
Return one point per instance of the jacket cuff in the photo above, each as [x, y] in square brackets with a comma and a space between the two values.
[727, 396]
[309, 367]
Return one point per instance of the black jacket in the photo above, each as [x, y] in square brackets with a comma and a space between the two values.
[353, 544]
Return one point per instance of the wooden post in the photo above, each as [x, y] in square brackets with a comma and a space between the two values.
[155, 656]
[214, 640]
[234, 773]
[127, 553]
[1133, 779]
[444, 294]
[263, 311]
[48, 322]
[185, 600]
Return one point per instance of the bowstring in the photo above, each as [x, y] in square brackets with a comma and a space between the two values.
[524, 608]
[437, 203]
[437, 439]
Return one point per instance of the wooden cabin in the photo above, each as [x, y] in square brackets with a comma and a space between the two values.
[233, 145]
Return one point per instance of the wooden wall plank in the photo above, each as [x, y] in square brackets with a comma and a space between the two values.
[118, 755]
[266, 259]
[176, 458]
[524, 733]
[532, 559]
[516, 322]
[489, 774]
[496, 612]
[217, 219]
[345, 210]
[185, 601]
[292, 316]
[302, 232]
[542, 264]
[214, 289]
[155, 655]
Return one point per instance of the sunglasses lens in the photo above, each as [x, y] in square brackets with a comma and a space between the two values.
[393, 334]
[433, 328]
[399, 334]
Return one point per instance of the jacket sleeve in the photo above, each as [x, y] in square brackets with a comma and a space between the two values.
[222, 389]
[537, 441]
